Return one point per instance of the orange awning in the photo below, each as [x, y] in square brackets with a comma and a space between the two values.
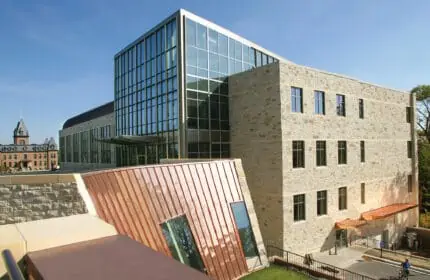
[386, 211]
[349, 223]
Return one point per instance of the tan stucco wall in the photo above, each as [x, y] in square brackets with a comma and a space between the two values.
[258, 101]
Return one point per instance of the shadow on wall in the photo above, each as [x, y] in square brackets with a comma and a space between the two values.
[393, 193]
[329, 241]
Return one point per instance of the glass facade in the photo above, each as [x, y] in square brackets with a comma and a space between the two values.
[210, 58]
[146, 96]
[147, 91]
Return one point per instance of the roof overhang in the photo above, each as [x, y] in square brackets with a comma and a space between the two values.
[349, 224]
[386, 211]
[131, 139]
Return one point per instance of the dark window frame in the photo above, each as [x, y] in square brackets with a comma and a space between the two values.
[342, 152]
[296, 100]
[408, 114]
[321, 153]
[298, 152]
[321, 203]
[361, 108]
[299, 207]
[319, 102]
[343, 198]
[340, 105]
[410, 183]
[362, 151]
[409, 149]
[363, 193]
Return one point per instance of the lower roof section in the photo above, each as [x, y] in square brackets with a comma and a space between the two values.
[349, 223]
[386, 211]
[114, 257]
[97, 112]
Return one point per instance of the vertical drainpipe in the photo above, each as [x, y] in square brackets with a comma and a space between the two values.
[414, 161]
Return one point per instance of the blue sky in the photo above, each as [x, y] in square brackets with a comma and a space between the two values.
[56, 57]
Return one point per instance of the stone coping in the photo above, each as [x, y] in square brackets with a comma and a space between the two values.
[38, 235]
[36, 179]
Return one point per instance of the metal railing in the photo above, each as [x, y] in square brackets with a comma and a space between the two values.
[12, 268]
[308, 266]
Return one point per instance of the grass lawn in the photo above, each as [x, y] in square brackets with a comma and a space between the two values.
[275, 273]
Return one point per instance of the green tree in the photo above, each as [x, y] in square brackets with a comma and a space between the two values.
[422, 93]
[424, 173]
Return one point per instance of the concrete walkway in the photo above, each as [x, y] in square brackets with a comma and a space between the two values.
[344, 258]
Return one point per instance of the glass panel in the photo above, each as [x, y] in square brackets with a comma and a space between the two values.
[223, 44]
[201, 36]
[213, 41]
[245, 230]
[181, 242]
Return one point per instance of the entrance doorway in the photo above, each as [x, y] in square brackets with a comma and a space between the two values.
[342, 238]
[385, 239]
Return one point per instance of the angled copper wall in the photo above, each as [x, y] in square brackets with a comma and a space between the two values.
[137, 200]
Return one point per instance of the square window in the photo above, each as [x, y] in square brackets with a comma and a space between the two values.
[340, 105]
[343, 198]
[299, 208]
[298, 154]
[361, 108]
[321, 153]
[321, 203]
[410, 183]
[319, 102]
[296, 100]
[341, 152]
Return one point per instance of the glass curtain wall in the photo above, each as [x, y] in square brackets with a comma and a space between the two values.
[146, 96]
[210, 58]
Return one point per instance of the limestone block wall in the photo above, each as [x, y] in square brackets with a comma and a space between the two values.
[36, 197]
[255, 125]
[385, 132]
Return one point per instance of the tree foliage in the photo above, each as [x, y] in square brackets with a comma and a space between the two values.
[422, 93]
[424, 173]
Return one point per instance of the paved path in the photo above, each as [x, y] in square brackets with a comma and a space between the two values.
[381, 270]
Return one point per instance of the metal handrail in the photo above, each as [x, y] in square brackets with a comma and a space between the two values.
[317, 266]
[12, 268]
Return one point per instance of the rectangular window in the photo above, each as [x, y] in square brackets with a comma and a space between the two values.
[410, 183]
[341, 152]
[75, 139]
[245, 229]
[340, 105]
[361, 108]
[94, 151]
[296, 100]
[363, 193]
[409, 149]
[343, 198]
[321, 203]
[408, 114]
[319, 102]
[321, 153]
[298, 154]
[299, 207]
[181, 242]
[362, 152]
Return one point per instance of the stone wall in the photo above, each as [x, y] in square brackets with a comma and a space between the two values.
[36, 197]
[255, 124]
[263, 128]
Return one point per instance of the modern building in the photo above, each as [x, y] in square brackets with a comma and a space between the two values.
[320, 150]
[23, 156]
[329, 159]
[81, 146]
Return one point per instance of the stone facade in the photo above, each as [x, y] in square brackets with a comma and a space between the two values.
[48, 197]
[67, 161]
[263, 128]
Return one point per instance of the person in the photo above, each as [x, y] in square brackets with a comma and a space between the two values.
[406, 265]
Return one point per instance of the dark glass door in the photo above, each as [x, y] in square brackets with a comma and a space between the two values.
[246, 234]
[181, 242]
